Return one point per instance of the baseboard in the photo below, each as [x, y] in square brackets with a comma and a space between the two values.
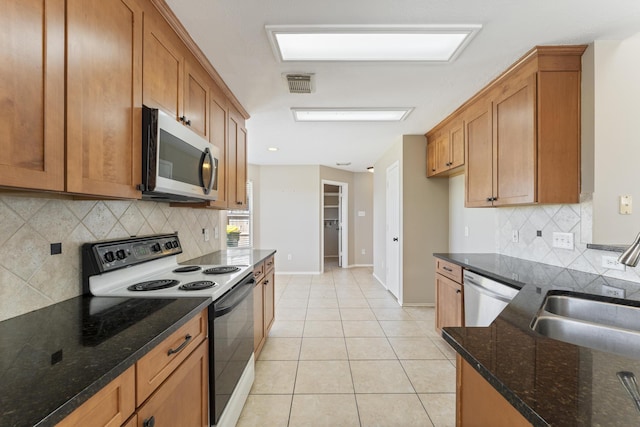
[419, 304]
[378, 279]
[298, 273]
[360, 265]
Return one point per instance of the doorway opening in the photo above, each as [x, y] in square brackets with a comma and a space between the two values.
[334, 225]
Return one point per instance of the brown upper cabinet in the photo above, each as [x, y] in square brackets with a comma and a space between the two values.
[237, 161]
[32, 94]
[117, 54]
[522, 132]
[445, 153]
[104, 86]
[173, 80]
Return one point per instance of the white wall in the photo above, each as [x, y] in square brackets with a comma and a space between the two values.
[363, 225]
[482, 223]
[617, 140]
[287, 214]
[289, 204]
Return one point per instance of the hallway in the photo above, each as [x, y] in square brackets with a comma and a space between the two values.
[342, 353]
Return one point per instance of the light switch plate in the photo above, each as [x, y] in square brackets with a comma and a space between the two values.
[625, 205]
[515, 236]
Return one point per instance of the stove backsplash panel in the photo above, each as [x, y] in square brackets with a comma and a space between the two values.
[32, 278]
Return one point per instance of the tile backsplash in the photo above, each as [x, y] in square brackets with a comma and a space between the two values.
[576, 219]
[32, 278]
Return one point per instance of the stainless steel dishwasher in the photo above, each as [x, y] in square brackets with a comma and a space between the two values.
[484, 299]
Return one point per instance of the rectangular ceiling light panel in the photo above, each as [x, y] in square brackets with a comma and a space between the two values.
[368, 43]
[350, 114]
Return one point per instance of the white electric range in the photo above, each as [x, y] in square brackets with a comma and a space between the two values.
[147, 267]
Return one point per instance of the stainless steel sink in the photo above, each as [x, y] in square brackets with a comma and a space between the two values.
[602, 325]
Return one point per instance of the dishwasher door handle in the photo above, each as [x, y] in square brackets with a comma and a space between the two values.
[485, 291]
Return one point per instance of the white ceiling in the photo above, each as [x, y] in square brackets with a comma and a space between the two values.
[231, 33]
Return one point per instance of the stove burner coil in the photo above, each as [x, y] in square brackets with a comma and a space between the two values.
[225, 269]
[153, 285]
[187, 269]
[199, 285]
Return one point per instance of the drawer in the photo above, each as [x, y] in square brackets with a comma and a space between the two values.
[268, 264]
[159, 363]
[110, 406]
[449, 269]
[258, 271]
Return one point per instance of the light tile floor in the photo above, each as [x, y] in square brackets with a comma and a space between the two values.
[342, 352]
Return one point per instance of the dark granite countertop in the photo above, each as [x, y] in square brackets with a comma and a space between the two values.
[550, 382]
[238, 256]
[53, 359]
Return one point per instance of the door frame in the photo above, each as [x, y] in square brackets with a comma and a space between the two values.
[344, 221]
[388, 233]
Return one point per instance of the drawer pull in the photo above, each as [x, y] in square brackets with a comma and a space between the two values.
[171, 351]
[448, 269]
[149, 422]
[458, 291]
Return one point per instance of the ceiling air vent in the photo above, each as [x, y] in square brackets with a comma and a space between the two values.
[299, 83]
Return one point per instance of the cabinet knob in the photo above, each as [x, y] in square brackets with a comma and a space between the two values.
[458, 291]
[149, 422]
[395, 239]
[266, 282]
[183, 119]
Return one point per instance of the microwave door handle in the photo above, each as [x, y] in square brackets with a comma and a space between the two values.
[203, 160]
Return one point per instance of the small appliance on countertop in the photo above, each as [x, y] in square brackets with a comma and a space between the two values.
[147, 267]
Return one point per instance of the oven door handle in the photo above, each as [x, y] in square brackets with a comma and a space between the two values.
[237, 296]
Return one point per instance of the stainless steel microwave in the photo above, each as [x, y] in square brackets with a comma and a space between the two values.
[178, 165]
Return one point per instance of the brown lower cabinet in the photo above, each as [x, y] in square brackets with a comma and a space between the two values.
[478, 404]
[263, 302]
[179, 397]
[449, 295]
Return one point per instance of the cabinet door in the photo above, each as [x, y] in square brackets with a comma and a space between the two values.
[182, 400]
[479, 153]
[449, 311]
[196, 99]
[32, 94]
[258, 318]
[479, 404]
[162, 69]
[442, 152]
[514, 117]
[104, 94]
[218, 123]
[456, 145]
[237, 175]
[431, 158]
[111, 406]
[268, 285]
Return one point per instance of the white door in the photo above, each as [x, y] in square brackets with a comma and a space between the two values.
[340, 224]
[393, 230]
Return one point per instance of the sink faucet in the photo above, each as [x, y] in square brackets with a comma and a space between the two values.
[631, 255]
[629, 382]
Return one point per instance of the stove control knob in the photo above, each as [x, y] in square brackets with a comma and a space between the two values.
[109, 256]
[168, 245]
[156, 247]
[120, 254]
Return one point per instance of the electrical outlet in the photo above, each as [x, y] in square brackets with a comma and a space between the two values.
[289, 257]
[515, 236]
[625, 205]
[611, 262]
[364, 252]
[216, 234]
[466, 231]
[610, 291]
[563, 240]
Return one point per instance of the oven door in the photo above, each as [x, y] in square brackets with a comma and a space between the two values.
[179, 164]
[232, 343]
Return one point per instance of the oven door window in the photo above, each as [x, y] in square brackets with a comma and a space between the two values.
[179, 161]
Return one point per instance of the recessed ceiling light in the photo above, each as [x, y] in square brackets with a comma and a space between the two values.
[272, 149]
[350, 114]
[432, 43]
[370, 169]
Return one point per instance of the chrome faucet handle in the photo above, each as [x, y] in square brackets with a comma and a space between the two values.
[628, 380]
